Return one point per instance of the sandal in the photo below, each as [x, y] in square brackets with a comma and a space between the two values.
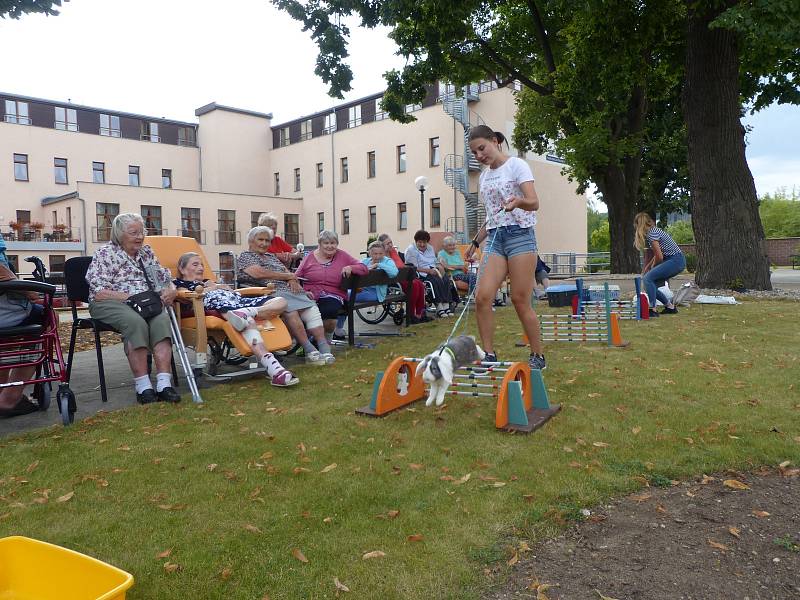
[22, 407]
[284, 378]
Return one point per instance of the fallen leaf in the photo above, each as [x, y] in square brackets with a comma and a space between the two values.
[327, 520]
[212, 466]
[340, 587]
[602, 597]
[66, 497]
[464, 479]
[417, 537]
[252, 528]
[600, 444]
[513, 560]
[415, 466]
[34, 464]
[717, 545]
[567, 449]
[298, 470]
[707, 479]
[298, 554]
[329, 468]
[735, 484]
[760, 514]
[171, 567]
[498, 484]
[373, 554]
[392, 514]
[636, 430]
[527, 497]
[734, 531]
[164, 554]
[641, 497]
[225, 573]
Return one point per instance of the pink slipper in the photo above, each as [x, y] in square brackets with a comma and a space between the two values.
[284, 378]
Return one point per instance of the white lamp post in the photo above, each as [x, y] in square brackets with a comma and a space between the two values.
[421, 183]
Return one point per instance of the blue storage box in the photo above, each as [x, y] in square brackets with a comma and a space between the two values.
[561, 295]
[597, 292]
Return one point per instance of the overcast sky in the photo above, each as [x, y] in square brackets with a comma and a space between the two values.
[165, 58]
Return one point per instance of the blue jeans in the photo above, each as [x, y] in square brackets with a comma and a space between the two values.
[658, 275]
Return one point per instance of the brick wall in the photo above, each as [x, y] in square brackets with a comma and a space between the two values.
[778, 249]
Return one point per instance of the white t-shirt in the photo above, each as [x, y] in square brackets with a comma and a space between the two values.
[497, 185]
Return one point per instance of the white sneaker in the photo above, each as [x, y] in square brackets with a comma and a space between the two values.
[315, 358]
[329, 358]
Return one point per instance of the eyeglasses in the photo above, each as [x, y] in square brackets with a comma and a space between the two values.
[135, 234]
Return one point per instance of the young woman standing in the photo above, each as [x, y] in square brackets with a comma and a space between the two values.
[506, 188]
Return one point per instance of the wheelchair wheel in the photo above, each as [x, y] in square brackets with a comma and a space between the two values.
[372, 314]
[398, 313]
[42, 393]
[66, 404]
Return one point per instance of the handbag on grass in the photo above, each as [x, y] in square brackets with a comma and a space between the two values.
[146, 304]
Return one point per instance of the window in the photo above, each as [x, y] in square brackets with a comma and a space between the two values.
[68, 222]
[401, 158]
[319, 174]
[354, 116]
[283, 133]
[330, 123]
[402, 216]
[371, 164]
[23, 217]
[17, 112]
[345, 221]
[380, 114]
[227, 272]
[305, 130]
[57, 264]
[226, 224]
[277, 184]
[55, 217]
[186, 136]
[190, 223]
[372, 224]
[109, 125]
[98, 172]
[320, 222]
[434, 152]
[254, 218]
[152, 219]
[66, 119]
[149, 132]
[297, 180]
[60, 167]
[344, 169]
[166, 178]
[291, 228]
[21, 167]
[105, 215]
[436, 212]
[133, 175]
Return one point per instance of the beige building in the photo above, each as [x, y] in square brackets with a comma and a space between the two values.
[68, 169]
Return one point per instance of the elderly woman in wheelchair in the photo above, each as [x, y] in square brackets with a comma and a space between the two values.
[121, 269]
[242, 313]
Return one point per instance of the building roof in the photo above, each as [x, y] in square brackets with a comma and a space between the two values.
[53, 199]
[214, 106]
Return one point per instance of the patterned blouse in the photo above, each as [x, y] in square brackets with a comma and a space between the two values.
[114, 269]
[266, 261]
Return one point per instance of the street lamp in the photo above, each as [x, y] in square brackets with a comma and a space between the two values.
[421, 183]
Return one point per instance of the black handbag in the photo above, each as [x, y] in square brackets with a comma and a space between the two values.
[147, 304]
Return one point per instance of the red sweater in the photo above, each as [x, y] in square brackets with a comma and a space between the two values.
[279, 245]
[326, 278]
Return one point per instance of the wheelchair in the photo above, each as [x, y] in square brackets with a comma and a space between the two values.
[38, 346]
[378, 313]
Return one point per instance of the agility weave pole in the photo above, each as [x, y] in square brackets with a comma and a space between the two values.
[522, 402]
[636, 309]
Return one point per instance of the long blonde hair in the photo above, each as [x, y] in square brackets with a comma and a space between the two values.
[642, 223]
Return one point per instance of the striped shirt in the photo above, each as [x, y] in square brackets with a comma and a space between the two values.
[668, 245]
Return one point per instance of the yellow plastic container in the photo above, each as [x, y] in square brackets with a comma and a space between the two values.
[34, 570]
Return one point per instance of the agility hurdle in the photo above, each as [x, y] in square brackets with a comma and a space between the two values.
[636, 309]
[522, 402]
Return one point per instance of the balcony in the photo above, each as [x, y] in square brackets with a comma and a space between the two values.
[25, 237]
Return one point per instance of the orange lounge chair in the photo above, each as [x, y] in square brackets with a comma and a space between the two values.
[212, 331]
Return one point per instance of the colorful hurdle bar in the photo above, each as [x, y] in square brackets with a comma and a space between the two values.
[636, 309]
[522, 402]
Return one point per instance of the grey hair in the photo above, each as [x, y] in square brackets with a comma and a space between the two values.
[267, 218]
[184, 260]
[120, 224]
[448, 240]
[383, 237]
[251, 235]
[327, 234]
[376, 244]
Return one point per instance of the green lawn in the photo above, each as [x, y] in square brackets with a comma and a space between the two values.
[234, 487]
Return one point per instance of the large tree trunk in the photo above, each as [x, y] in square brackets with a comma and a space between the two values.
[727, 227]
[620, 198]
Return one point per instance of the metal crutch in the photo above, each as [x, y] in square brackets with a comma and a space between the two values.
[187, 367]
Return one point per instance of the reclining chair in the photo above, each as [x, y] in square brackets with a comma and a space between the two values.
[205, 329]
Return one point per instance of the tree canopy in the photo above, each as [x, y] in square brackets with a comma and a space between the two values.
[16, 8]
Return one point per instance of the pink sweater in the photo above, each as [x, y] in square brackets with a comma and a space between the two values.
[326, 278]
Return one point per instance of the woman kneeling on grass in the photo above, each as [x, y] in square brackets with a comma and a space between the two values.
[667, 261]
[506, 188]
[239, 311]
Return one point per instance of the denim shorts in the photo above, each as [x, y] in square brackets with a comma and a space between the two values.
[511, 240]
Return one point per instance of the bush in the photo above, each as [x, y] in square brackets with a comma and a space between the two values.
[691, 262]
[597, 264]
[681, 232]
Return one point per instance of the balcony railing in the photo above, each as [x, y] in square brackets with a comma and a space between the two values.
[18, 120]
[228, 237]
[65, 126]
[198, 234]
[146, 137]
[25, 233]
[109, 132]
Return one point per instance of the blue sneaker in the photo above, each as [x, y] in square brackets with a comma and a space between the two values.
[537, 362]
